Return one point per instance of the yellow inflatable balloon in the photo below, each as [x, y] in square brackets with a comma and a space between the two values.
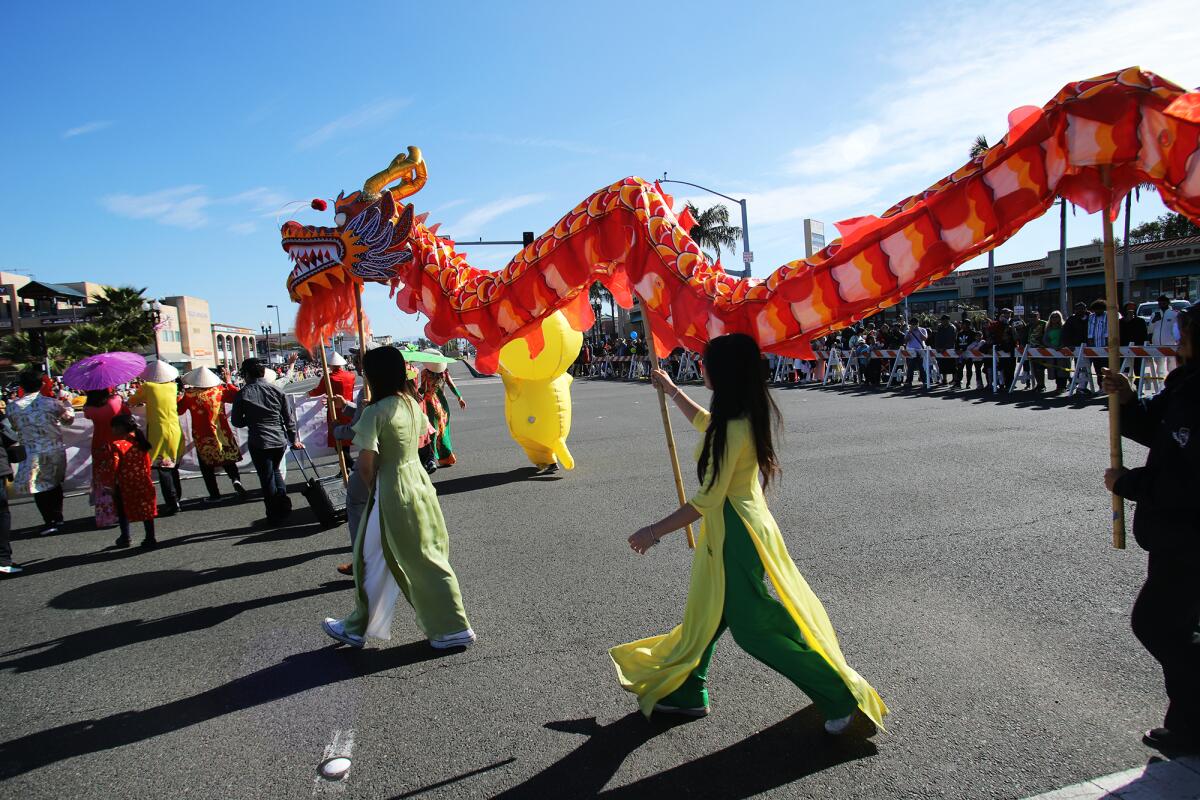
[538, 414]
[562, 347]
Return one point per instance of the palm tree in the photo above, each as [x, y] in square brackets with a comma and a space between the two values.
[978, 148]
[712, 229]
[18, 349]
[597, 294]
[1126, 269]
[120, 309]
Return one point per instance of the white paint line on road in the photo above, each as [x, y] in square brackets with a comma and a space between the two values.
[340, 746]
[1178, 779]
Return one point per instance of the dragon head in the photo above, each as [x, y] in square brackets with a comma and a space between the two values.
[368, 241]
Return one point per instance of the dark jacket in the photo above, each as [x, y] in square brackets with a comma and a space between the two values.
[8, 438]
[1167, 489]
[1074, 331]
[944, 336]
[262, 409]
[1133, 330]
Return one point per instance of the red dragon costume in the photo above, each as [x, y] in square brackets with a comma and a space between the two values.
[1132, 125]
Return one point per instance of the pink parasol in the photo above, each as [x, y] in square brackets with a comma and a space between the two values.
[104, 370]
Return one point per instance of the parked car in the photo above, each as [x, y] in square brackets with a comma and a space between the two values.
[1146, 310]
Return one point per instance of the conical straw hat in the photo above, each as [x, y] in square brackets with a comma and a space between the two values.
[160, 372]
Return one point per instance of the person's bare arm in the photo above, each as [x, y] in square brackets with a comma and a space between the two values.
[687, 405]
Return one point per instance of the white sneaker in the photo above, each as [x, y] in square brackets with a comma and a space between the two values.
[10, 569]
[838, 726]
[450, 640]
[337, 630]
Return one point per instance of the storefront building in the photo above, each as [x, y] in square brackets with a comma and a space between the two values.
[1170, 267]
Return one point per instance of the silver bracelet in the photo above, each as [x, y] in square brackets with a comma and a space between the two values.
[653, 535]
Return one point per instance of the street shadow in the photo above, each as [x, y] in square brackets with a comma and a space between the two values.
[787, 751]
[1037, 401]
[85, 644]
[110, 553]
[489, 480]
[139, 586]
[294, 675]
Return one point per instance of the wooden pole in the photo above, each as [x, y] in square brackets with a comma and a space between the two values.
[1114, 363]
[362, 339]
[330, 415]
[666, 421]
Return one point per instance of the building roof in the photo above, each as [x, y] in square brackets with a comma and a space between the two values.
[1163, 243]
[39, 289]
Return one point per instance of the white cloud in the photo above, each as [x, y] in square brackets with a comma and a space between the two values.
[471, 224]
[180, 206]
[190, 207]
[360, 117]
[949, 79]
[87, 127]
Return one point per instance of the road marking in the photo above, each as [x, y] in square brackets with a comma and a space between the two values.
[342, 745]
[1178, 779]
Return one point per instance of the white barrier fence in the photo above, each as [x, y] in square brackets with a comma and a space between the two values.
[310, 426]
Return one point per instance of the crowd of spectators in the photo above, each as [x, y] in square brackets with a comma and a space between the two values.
[972, 339]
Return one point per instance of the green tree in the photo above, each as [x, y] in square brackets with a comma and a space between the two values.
[712, 230]
[1168, 226]
[598, 294]
[18, 348]
[979, 146]
[120, 310]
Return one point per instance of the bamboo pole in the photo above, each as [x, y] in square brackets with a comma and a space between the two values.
[1114, 362]
[666, 421]
[362, 339]
[330, 414]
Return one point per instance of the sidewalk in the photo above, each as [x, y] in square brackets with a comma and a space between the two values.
[1178, 779]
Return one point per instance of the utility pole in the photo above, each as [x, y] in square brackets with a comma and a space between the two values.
[747, 253]
[1062, 259]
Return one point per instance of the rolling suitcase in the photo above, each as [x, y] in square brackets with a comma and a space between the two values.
[326, 496]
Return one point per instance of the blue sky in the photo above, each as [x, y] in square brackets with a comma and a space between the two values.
[155, 143]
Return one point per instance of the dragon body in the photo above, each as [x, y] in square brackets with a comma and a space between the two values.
[1092, 143]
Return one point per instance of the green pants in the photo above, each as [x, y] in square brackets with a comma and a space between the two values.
[763, 628]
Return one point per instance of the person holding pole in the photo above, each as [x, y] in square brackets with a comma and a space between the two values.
[1166, 523]
[739, 543]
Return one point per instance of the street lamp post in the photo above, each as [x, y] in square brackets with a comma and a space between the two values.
[266, 332]
[279, 331]
[597, 328]
[153, 312]
[747, 253]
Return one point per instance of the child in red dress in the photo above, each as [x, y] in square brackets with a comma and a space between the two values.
[127, 469]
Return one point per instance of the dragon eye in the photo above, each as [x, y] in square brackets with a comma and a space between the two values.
[339, 219]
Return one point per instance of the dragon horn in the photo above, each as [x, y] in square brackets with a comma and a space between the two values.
[410, 169]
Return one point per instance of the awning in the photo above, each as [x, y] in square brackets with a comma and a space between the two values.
[36, 290]
[933, 297]
[1176, 270]
[1001, 289]
[1093, 279]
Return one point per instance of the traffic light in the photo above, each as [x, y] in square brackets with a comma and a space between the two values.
[37, 343]
[527, 238]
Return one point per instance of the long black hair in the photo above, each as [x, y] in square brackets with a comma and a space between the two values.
[733, 366]
[387, 373]
[126, 424]
[98, 397]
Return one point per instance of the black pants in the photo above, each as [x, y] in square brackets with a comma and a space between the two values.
[1007, 367]
[171, 485]
[49, 503]
[123, 521]
[1038, 367]
[915, 365]
[266, 463]
[1165, 619]
[5, 527]
[209, 474]
[874, 372]
[946, 367]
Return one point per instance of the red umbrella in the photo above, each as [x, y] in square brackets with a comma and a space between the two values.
[104, 370]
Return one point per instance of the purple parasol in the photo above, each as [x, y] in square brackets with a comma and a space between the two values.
[104, 370]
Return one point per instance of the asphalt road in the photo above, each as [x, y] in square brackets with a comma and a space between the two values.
[961, 546]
